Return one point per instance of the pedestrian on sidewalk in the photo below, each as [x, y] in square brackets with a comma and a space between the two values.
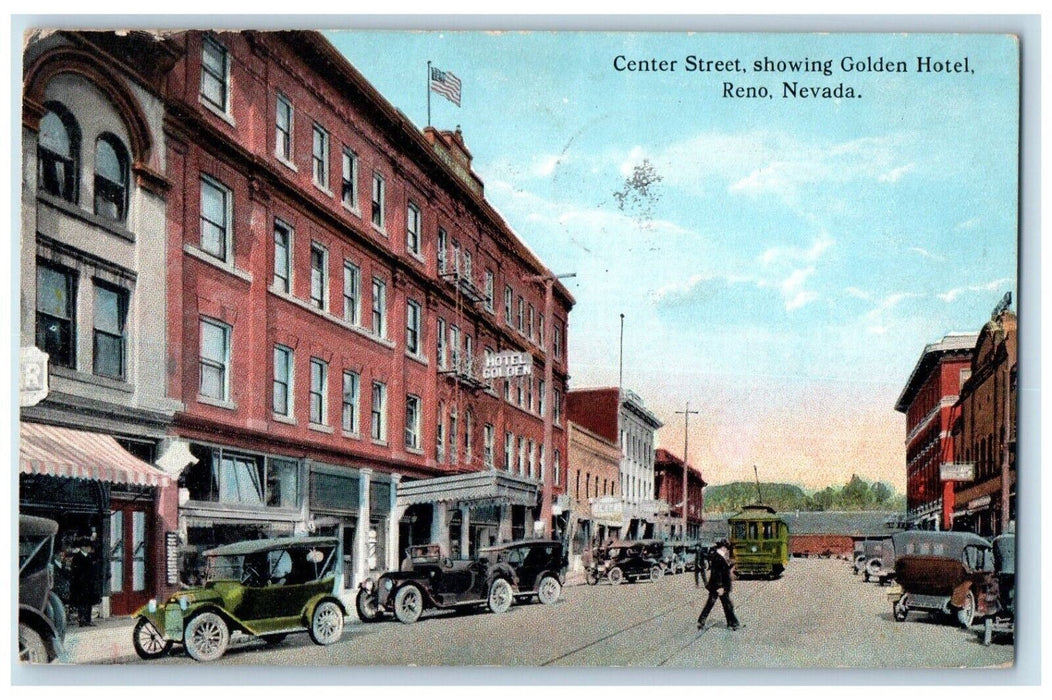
[719, 586]
[701, 555]
[83, 584]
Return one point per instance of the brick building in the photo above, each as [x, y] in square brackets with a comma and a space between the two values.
[593, 472]
[336, 277]
[668, 487]
[985, 429]
[928, 400]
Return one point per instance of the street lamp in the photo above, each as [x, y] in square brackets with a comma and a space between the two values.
[548, 280]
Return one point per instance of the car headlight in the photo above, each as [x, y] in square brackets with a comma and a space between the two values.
[368, 585]
[388, 584]
[152, 605]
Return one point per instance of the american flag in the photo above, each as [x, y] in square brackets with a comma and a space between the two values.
[446, 84]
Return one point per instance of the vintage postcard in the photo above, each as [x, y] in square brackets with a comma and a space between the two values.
[518, 348]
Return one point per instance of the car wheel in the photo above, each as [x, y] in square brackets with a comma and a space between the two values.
[274, 639]
[655, 573]
[900, 612]
[988, 632]
[500, 596]
[206, 637]
[616, 576]
[367, 607]
[326, 625]
[32, 648]
[592, 577]
[148, 641]
[408, 604]
[549, 589]
[966, 613]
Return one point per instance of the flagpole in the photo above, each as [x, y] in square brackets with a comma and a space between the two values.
[429, 93]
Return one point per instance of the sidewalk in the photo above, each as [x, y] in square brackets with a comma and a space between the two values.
[106, 641]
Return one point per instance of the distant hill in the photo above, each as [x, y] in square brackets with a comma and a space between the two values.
[856, 495]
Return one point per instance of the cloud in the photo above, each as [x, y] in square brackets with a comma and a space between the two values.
[857, 293]
[789, 253]
[895, 174]
[994, 286]
[925, 254]
[968, 224]
[544, 165]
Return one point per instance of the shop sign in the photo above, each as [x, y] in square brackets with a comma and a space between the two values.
[957, 471]
[171, 556]
[607, 507]
[507, 364]
[980, 502]
[32, 377]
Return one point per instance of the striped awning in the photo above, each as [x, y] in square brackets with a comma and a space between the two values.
[75, 454]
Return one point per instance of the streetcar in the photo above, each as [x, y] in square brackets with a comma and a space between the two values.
[759, 542]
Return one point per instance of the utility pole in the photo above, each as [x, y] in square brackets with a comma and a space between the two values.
[548, 281]
[686, 442]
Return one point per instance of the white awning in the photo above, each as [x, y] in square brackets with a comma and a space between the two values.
[490, 487]
[75, 454]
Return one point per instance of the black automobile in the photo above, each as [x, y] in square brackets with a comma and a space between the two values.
[41, 615]
[539, 567]
[997, 600]
[430, 580]
[631, 561]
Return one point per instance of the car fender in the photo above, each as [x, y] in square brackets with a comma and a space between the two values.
[505, 572]
[44, 627]
[960, 593]
[425, 591]
[232, 622]
[314, 602]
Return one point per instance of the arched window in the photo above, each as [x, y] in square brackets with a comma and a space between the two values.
[111, 178]
[58, 152]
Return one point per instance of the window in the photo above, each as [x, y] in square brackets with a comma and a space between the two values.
[443, 242]
[379, 307]
[228, 477]
[467, 265]
[56, 325]
[320, 157]
[469, 421]
[378, 201]
[540, 461]
[533, 459]
[467, 365]
[108, 351]
[519, 392]
[319, 391]
[412, 229]
[58, 152]
[529, 326]
[412, 422]
[529, 392]
[440, 434]
[283, 129]
[282, 406]
[282, 483]
[540, 330]
[215, 360]
[215, 74]
[352, 283]
[215, 219]
[111, 178]
[522, 315]
[351, 384]
[557, 340]
[540, 397]
[282, 257]
[349, 186]
[489, 290]
[412, 327]
[487, 445]
[557, 406]
[509, 445]
[453, 434]
[319, 276]
[379, 414]
[522, 456]
[509, 296]
[454, 347]
[440, 344]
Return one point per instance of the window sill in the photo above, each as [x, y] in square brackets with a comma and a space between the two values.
[204, 257]
[288, 420]
[107, 225]
[322, 188]
[381, 230]
[287, 163]
[216, 110]
[351, 210]
[329, 317]
[88, 378]
[381, 443]
[415, 451]
[319, 427]
[416, 256]
[416, 358]
[352, 436]
[218, 403]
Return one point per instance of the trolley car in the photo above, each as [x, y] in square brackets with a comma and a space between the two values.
[760, 542]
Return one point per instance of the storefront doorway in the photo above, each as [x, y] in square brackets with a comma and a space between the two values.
[129, 554]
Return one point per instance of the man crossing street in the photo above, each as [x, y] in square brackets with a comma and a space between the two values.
[719, 586]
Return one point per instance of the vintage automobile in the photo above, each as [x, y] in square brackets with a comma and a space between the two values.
[997, 604]
[879, 555]
[539, 567]
[631, 560]
[264, 588]
[41, 615]
[431, 580]
[940, 572]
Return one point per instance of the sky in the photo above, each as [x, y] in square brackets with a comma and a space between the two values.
[790, 258]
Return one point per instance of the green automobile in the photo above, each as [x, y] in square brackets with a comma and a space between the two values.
[264, 588]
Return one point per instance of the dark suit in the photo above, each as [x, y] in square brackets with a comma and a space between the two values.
[719, 578]
[700, 563]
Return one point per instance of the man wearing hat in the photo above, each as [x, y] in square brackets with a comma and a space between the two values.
[719, 586]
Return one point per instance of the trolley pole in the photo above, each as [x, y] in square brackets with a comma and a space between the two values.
[686, 442]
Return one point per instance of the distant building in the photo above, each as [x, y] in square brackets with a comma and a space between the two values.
[985, 430]
[928, 400]
[593, 472]
[668, 485]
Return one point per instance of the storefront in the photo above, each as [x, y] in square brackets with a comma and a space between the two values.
[469, 510]
[112, 508]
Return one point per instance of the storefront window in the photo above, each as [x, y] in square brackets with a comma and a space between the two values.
[376, 552]
[282, 483]
[222, 476]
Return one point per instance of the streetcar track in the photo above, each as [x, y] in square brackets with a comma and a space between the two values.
[700, 634]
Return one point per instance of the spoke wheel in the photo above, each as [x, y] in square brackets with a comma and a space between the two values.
[548, 591]
[592, 577]
[966, 614]
[207, 637]
[326, 626]
[500, 596]
[616, 576]
[32, 649]
[655, 573]
[367, 607]
[408, 604]
[148, 641]
[900, 611]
